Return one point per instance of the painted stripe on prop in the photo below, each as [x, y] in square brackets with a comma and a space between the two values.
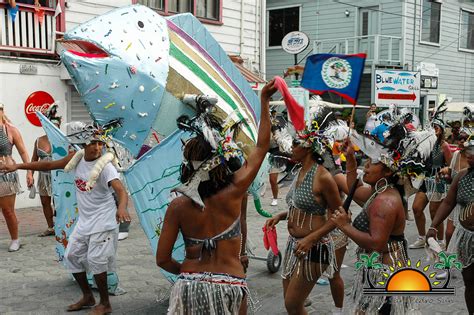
[197, 46]
[203, 63]
[179, 55]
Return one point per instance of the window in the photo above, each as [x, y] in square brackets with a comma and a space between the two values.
[154, 4]
[466, 39]
[281, 22]
[179, 6]
[208, 10]
[430, 21]
[365, 23]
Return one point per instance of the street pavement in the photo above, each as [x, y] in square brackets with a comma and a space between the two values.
[33, 282]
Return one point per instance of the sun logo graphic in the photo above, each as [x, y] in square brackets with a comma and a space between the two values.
[406, 278]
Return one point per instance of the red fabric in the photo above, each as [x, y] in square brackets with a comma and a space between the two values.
[270, 240]
[295, 110]
[87, 55]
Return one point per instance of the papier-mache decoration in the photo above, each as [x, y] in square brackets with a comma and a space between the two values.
[150, 182]
[135, 66]
[64, 195]
[120, 67]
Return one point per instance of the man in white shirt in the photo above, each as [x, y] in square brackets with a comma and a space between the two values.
[93, 243]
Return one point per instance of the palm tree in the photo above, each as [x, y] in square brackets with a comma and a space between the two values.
[446, 263]
[368, 262]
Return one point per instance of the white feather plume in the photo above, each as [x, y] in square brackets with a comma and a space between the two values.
[283, 139]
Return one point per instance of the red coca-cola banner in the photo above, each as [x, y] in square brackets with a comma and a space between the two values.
[37, 101]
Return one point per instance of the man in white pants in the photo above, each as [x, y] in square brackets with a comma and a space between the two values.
[93, 243]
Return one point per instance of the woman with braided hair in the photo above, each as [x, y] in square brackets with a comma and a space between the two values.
[211, 278]
[380, 226]
[311, 248]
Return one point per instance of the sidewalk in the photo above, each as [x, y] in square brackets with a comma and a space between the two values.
[32, 282]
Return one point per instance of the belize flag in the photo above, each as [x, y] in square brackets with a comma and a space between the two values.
[339, 74]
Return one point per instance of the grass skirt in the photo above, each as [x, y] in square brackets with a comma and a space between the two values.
[9, 184]
[207, 293]
[292, 263]
[462, 243]
[44, 184]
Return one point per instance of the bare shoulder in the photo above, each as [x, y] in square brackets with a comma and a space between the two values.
[12, 129]
[388, 202]
[324, 176]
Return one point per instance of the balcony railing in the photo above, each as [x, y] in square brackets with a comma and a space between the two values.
[380, 49]
[27, 34]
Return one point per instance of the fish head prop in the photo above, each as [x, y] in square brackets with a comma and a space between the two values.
[119, 64]
[133, 65]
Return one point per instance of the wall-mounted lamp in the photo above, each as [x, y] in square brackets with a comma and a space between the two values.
[347, 13]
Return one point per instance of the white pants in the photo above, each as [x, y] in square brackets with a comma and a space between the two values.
[93, 253]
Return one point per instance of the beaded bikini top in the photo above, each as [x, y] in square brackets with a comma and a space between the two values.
[302, 197]
[465, 194]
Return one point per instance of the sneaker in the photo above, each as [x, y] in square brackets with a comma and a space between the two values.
[442, 244]
[442, 276]
[419, 243]
[322, 281]
[122, 236]
[274, 202]
[14, 245]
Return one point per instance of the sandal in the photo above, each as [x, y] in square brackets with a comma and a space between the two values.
[47, 232]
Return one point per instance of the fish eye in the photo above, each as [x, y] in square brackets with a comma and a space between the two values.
[141, 24]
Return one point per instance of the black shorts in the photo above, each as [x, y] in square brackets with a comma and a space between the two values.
[319, 253]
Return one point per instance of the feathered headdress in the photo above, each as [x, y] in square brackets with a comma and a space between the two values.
[86, 133]
[437, 118]
[404, 152]
[220, 137]
[321, 129]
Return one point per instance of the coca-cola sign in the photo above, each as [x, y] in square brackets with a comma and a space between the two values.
[37, 101]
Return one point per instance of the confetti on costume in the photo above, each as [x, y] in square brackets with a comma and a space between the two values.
[138, 75]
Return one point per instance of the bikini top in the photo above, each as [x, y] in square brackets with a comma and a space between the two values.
[362, 221]
[41, 153]
[465, 193]
[436, 160]
[302, 197]
[5, 145]
[210, 244]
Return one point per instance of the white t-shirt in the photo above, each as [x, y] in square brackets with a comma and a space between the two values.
[97, 208]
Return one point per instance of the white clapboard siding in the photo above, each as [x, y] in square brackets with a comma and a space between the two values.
[3, 33]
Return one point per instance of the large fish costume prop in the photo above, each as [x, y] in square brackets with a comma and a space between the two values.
[135, 66]
[64, 196]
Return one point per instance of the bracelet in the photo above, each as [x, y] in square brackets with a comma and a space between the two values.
[243, 254]
[433, 228]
